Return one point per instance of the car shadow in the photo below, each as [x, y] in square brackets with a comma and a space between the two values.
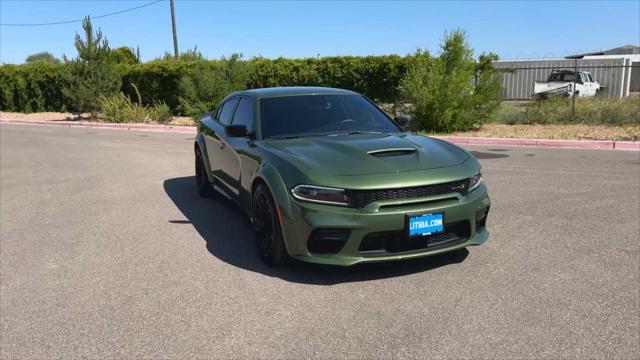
[227, 234]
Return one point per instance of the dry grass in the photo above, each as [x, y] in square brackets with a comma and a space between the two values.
[182, 121]
[55, 116]
[567, 132]
[43, 116]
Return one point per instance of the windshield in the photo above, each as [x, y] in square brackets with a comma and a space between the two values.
[321, 115]
[564, 76]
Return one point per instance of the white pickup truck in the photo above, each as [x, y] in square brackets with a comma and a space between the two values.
[566, 83]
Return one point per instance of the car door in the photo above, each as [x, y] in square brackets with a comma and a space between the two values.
[236, 157]
[214, 139]
[591, 84]
[587, 86]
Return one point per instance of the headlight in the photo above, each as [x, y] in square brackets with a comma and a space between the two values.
[475, 181]
[319, 194]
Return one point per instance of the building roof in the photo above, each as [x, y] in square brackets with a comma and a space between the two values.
[621, 50]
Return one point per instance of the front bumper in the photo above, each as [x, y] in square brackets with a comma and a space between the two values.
[382, 217]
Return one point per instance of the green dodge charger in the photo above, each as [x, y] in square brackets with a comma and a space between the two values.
[327, 177]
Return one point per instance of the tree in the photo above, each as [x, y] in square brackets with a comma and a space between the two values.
[92, 74]
[43, 56]
[452, 92]
[125, 55]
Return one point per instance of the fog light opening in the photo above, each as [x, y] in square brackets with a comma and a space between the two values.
[327, 241]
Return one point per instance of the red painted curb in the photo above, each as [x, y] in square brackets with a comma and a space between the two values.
[627, 145]
[582, 144]
[578, 144]
[501, 141]
[453, 139]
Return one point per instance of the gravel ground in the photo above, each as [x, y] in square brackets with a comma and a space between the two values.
[106, 251]
[568, 132]
[57, 116]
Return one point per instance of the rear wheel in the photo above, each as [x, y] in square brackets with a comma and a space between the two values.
[271, 248]
[202, 181]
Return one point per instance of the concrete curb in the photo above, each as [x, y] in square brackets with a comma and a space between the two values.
[575, 144]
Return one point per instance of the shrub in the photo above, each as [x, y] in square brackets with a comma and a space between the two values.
[157, 81]
[159, 113]
[119, 108]
[32, 87]
[377, 77]
[44, 56]
[87, 82]
[125, 55]
[451, 92]
[205, 84]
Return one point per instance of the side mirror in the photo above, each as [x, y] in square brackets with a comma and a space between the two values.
[236, 130]
[402, 120]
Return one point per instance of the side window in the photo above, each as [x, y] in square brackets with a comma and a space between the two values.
[226, 112]
[244, 114]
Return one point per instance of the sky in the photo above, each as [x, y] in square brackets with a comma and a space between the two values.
[512, 29]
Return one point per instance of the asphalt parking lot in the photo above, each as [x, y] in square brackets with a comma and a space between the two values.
[107, 251]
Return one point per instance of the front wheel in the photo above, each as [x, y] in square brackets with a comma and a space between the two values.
[271, 248]
[202, 181]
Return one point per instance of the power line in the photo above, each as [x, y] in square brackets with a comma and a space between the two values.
[92, 17]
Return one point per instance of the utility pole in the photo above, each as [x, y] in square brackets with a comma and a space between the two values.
[175, 36]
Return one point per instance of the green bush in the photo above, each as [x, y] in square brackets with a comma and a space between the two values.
[159, 113]
[32, 87]
[124, 55]
[452, 92]
[190, 86]
[377, 77]
[87, 82]
[44, 56]
[119, 108]
[204, 85]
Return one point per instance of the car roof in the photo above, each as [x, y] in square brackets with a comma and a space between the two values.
[292, 91]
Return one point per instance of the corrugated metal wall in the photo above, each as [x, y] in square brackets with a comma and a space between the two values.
[518, 83]
[635, 77]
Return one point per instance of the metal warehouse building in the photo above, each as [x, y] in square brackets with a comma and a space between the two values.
[617, 70]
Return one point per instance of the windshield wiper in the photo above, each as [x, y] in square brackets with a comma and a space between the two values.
[278, 137]
[295, 136]
[356, 132]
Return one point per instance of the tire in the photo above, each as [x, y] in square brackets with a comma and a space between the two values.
[203, 186]
[269, 240]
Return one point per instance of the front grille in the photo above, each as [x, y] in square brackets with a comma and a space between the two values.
[398, 241]
[361, 198]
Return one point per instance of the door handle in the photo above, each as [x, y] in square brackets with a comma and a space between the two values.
[221, 145]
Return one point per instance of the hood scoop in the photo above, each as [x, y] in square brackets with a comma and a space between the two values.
[392, 152]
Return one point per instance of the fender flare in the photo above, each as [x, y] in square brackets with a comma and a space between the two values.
[201, 144]
[271, 177]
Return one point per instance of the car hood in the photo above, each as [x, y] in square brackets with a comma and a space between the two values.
[367, 154]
